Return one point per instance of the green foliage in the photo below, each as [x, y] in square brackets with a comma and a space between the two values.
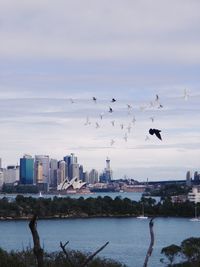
[189, 250]
[23, 207]
[171, 252]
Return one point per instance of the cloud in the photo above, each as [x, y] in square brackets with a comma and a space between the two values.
[147, 31]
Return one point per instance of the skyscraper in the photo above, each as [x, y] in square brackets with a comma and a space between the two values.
[93, 177]
[26, 169]
[42, 171]
[53, 172]
[106, 176]
[61, 172]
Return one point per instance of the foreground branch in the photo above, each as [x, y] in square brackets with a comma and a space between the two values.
[65, 252]
[93, 255]
[38, 251]
[150, 250]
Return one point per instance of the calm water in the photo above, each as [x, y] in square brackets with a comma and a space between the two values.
[129, 237]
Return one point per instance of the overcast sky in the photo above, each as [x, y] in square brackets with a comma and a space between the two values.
[52, 51]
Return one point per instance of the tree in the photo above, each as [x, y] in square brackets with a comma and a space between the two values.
[191, 249]
[171, 252]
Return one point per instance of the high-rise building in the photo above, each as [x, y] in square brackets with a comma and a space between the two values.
[39, 172]
[106, 176]
[44, 160]
[1, 178]
[73, 171]
[53, 172]
[188, 178]
[61, 172]
[93, 177]
[26, 170]
[81, 172]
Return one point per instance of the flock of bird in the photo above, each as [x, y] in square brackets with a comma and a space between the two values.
[111, 109]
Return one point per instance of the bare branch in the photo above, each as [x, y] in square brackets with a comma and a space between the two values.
[150, 250]
[93, 255]
[38, 251]
[65, 252]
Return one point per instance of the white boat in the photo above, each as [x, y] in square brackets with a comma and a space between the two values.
[195, 219]
[40, 194]
[142, 217]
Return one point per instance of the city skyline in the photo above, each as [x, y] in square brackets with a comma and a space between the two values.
[131, 51]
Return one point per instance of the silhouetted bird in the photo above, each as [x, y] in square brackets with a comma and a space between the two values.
[94, 99]
[110, 110]
[113, 100]
[156, 132]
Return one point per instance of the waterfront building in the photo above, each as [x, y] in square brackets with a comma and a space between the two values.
[93, 177]
[26, 170]
[194, 195]
[11, 174]
[53, 172]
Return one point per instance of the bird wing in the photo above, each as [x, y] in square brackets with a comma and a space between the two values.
[157, 133]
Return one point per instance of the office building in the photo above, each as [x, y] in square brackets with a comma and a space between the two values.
[44, 161]
[53, 172]
[26, 170]
[11, 174]
[61, 172]
[93, 177]
[106, 176]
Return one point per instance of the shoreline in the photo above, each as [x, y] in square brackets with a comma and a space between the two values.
[68, 217]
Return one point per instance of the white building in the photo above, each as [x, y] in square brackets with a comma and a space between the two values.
[93, 177]
[11, 174]
[194, 196]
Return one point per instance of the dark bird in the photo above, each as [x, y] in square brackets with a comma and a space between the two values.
[113, 100]
[156, 132]
[94, 99]
[110, 110]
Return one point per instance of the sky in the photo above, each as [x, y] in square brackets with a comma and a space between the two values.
[131, 50]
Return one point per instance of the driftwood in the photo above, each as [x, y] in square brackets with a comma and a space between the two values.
[38, 251]
[150, 250]
[65, 252]
[88, 259]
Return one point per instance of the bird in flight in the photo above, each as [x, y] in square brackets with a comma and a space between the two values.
[122, 126]
[101, 116]
[129, 128]
[156, 132]
[186, 95]
[112, 142]
[94, 99]
[87, 122]
[152, 119]
[113, 123]
[113, 100]
[125, 137]
[72, 101]
[97, 125]
[110, 110]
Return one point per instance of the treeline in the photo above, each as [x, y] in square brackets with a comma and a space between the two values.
[24, 207]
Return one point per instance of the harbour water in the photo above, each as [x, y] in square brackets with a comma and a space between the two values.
[128, 237]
